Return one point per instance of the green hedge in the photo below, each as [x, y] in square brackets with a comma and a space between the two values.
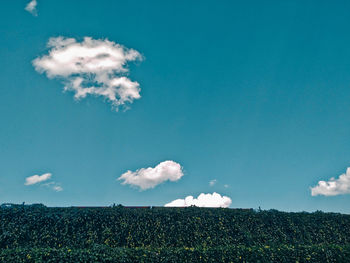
[180, 255]
[167, 227]
[119, 234]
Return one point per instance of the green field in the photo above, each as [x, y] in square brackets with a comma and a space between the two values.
[119, 234]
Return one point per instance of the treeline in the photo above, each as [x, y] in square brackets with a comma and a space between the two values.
[214, 235]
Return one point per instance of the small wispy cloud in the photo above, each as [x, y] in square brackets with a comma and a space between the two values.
[94, 67]
[226, 186]
[333, 186]
[37, 179]
[31, 7]
[203, 200]
[212, 182]
[150, 177]
[57, 188]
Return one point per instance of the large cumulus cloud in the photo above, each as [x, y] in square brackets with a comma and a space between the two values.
[91, 67]
[333, 186]
[150, 177]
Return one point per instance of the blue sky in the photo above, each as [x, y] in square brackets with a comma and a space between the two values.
[253, 95]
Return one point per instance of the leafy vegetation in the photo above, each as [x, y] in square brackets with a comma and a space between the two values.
[119, 234]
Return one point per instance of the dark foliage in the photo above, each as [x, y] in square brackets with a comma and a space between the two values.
[119, 234]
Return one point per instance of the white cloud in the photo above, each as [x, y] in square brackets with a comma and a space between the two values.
[31, 7]
[333, 186]
[54, 186]
[212, 182]
[203, 200]
[91, 67]
[226, 186]
[57, 188]
[146, 178]
[37, 179]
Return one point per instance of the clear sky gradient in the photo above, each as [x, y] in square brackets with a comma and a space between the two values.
[253, 94]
